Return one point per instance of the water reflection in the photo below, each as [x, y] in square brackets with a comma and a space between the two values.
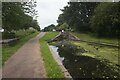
[84, 66]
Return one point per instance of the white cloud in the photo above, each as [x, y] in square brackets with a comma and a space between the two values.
[49, 10]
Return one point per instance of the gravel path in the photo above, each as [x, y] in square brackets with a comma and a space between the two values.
[26, 62]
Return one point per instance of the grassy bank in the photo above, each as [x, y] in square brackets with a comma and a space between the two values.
[52, 69]
[8, 51]
[89, 37]
[102, 52]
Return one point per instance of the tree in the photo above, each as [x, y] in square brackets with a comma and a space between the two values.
[29, 7]
[61, 19]
[35, 25]
[106, 20]
[77, 15]
[49, 28]
[63, 26]
[16, 15]
[11, 15]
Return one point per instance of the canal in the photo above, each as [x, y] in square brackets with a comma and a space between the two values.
[80, 66]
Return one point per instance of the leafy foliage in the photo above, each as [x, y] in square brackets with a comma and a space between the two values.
[102, 19]
[63, 26]
[77, 15]
[16, 15]
[49, 28]
[106, 20]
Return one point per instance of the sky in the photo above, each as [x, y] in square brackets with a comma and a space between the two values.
[48, 11]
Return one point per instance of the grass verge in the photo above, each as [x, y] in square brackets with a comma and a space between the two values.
[8, 51]
[89, 37]
[96, 51]
[52, 69]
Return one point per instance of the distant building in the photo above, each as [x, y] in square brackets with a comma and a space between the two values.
[54, 30]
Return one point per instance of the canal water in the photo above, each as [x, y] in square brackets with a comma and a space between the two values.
[82, 66]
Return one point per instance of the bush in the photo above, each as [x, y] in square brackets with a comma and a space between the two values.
[8, 35]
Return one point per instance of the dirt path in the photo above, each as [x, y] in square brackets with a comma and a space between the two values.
[26, 62]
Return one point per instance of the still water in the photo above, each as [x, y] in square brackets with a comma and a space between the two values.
[83, 66]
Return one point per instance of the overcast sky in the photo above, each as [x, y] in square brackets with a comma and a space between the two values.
[48, 11]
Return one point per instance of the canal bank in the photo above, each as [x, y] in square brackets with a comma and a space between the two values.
[59, 59]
